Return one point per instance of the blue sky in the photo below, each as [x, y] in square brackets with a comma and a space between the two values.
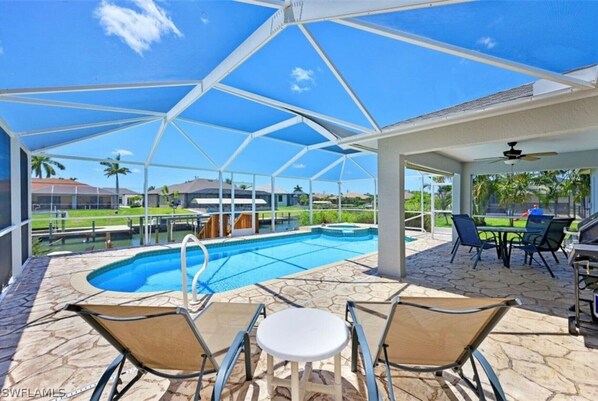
[50, 43]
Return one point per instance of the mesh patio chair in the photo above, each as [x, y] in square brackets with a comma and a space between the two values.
[555, 237]
[169, 343]
[426, 335]
[468, 236]
[530, 241]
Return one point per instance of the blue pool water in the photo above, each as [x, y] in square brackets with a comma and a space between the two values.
[232, 266]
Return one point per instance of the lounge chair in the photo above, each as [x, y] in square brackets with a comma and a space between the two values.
[468, 236]
[425, 335]
[530, 241]
[168, 342]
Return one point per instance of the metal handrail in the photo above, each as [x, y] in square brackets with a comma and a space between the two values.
[191, 237]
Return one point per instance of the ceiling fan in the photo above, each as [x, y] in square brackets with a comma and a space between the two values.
[512, 155]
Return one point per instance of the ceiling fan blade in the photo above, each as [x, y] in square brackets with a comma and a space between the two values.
[529, 158]
[496, 160]
[541, 154]
[485, 159]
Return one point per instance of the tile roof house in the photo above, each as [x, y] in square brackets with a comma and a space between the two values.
[57, 193]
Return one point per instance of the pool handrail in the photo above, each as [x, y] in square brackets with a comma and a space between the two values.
[191, 237]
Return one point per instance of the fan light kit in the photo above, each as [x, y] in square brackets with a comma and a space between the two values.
[512, 156]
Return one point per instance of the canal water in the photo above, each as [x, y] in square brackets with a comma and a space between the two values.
[82, 244]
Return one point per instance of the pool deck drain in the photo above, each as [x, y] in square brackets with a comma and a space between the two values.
[45, 348]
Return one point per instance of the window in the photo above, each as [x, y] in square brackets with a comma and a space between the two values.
[24, 187]
[5, 206]
[280, 198]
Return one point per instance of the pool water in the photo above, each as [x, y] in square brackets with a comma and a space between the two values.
[232, 266]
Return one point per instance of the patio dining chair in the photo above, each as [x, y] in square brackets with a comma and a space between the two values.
[426, 335]
[468, 235]
[169, 343]
[533, 239]
[555, 237]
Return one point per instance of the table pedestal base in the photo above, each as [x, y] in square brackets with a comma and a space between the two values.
[299, 386]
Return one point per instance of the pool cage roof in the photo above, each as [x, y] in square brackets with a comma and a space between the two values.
[264, 86]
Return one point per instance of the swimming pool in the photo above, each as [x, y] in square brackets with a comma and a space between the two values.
[232, 265]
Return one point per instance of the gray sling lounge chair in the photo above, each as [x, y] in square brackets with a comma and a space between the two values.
[168, 342]
[425, 335]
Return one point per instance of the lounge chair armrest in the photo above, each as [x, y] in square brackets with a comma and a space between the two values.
[368, 364]
[499, 393]
[228, 363]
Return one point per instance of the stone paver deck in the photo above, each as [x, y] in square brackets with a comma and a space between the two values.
[43, 348]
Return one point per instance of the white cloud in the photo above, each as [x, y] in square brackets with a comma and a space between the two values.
[299, 89]
[298, 165]
[487, 42]
[299, 74]
[135, 171]
[302, 80]
[122, 152]
[139, 29]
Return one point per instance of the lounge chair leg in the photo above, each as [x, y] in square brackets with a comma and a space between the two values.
[499, 394]
[118, 363]
[197, 395]
[478, 382]
[354, 350]
[247, 350]
[129, 385]
[391, 391]
[565, 252]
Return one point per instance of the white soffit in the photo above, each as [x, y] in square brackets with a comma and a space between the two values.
[576, 142]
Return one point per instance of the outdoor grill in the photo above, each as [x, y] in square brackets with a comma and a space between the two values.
[588, 230]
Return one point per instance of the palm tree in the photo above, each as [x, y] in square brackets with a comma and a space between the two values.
[484, 186]
[171, 197]
[577, 183]
[114, 169]
[39, 163]
[298, 188]
[514, 190]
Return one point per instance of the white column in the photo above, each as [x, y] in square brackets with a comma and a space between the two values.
[15, 210]
[311, 203]
[340, 201]
[594, 191]
[220, 208]
[422, 204]
[375, 201]
[273, 205]
[145, 207]
[456, 199]
[29, 204]
[466, 186]
[391, 226]
[232, 204]
[253, 227]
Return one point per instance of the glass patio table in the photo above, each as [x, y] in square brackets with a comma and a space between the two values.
[502, 234]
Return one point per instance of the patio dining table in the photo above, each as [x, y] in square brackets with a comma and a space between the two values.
[502, 236]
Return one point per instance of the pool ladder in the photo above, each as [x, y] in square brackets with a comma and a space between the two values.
[191, 237]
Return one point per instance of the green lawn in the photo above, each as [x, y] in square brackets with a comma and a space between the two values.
[102, 217]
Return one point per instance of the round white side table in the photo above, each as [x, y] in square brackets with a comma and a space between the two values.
[303, 335]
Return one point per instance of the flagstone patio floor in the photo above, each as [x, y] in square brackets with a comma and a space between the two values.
[45, 349]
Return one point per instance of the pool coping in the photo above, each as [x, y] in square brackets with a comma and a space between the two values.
[79, 281]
